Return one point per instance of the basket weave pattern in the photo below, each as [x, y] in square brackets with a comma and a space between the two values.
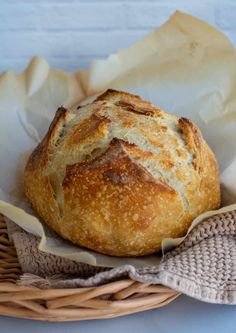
[110, 300]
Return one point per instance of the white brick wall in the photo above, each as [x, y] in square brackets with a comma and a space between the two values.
[71, 33]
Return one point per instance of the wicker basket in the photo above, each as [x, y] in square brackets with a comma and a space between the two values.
[110, 300]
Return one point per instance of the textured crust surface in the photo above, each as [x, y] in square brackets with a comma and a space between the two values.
[119, 175]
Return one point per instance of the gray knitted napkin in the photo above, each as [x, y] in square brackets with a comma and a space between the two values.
[203, 266]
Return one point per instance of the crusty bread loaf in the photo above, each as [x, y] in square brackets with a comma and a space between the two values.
[119, 175]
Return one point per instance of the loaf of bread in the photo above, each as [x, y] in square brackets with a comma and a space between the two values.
[119, 175]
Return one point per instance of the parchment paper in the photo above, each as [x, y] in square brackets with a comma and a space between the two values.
[185, 67]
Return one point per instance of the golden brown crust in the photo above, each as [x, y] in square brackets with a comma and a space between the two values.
[95, 124]
[129, 102]
[39, 157]
[108, 192]
[119, 175]
[193, 139]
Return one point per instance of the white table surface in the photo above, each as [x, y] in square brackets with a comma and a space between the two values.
[184, 315]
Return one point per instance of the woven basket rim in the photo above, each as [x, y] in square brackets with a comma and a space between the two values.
[110, 300]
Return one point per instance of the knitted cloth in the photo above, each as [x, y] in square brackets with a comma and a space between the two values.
[203, 266]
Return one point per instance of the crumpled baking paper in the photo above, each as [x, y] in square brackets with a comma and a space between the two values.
[186, 67]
